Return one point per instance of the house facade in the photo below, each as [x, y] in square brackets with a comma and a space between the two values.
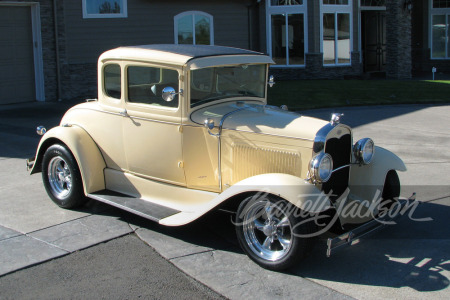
[49, 48]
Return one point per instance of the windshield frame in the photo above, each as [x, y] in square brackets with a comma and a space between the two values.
[217, 73]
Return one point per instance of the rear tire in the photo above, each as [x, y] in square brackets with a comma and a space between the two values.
[62, 178]
[268, 231]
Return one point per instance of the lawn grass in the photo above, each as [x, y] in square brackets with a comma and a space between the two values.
[307, 94]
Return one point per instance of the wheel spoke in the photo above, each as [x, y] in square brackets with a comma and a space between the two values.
[66, 169]
[259, 225]
[269, 212]
[267, 243]
[284, 242]
[59, 168]
[68, 181]
[284, 222]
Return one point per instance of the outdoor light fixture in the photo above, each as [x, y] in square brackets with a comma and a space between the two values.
[408, 5]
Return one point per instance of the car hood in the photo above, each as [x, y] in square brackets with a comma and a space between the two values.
[259, 118]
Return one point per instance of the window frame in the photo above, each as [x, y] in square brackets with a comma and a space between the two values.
[194, 13]
[149, 106]
[123, 14]
[286, 10]
[336, 9]
[438, 12]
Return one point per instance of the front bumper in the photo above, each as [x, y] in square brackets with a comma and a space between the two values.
[353, 236]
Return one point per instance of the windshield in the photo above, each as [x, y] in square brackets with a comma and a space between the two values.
[214, 83]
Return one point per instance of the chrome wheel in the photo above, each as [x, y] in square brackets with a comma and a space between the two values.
[59, 177]
[267, 230]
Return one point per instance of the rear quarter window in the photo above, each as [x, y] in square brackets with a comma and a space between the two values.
[111, 80]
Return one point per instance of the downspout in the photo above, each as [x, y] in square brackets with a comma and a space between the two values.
[58, 67]
[250, 26]
[250, 20]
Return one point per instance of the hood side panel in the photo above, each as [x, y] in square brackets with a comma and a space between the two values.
[247, 154]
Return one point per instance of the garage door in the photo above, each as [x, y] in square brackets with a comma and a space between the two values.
[17, 82]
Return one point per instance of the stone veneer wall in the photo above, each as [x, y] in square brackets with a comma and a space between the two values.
[398, 36]
[79, 81]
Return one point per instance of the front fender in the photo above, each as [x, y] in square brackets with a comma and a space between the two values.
[84, 149]
[297, 191]
[291, 188]
[367, 181]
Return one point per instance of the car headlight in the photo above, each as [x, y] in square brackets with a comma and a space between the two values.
[321, 167]
[364, 151]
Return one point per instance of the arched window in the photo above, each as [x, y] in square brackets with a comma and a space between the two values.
[194, 27]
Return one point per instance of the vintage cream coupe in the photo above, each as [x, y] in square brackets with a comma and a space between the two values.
[179, 130]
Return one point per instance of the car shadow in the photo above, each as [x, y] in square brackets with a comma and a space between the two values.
[414, 253]
[213, 230]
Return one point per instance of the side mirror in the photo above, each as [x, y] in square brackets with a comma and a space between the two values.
[271, 81]
[168, 93]
[209, 123]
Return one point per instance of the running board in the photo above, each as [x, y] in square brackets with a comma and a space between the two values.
[140, 207]
[352, 237]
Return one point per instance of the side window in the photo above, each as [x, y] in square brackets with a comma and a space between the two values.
[145, 85]
[111, 79]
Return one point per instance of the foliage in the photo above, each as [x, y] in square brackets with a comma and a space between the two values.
[106, 8]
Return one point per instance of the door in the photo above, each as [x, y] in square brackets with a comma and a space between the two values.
[374, 40]
[17, 79]
[152, 132]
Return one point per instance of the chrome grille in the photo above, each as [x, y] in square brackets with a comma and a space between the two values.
[340, 150]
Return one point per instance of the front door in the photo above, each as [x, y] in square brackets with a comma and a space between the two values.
[152, 132]
[374, 40]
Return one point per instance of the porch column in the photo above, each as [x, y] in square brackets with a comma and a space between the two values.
[398, 36]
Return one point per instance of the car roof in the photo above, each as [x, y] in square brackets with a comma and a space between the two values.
[196, 51]
[173, 53]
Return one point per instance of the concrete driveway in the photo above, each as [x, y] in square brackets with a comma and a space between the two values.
[410, 260]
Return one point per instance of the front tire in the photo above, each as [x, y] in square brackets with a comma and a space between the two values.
[269, 232]
[62, 178]
[391, 190]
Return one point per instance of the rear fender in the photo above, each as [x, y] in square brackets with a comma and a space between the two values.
[84, 149]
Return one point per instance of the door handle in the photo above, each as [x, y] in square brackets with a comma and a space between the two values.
[123, 113]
